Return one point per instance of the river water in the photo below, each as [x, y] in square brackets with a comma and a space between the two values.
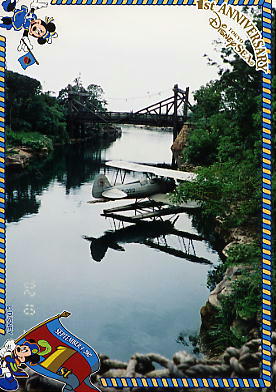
[138, 298]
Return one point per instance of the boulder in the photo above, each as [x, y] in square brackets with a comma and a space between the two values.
[18, 158]
[223, 288]
[180, 143]
[182, 139]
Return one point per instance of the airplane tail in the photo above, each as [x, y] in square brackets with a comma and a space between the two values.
[101, 183]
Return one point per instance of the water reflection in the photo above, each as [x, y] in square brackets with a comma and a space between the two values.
[153, 234]
[71, 166]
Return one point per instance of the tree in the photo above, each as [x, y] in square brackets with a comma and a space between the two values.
[90, 97]
[30, 110]
[47, 117]
[20, 90]
[226, 141]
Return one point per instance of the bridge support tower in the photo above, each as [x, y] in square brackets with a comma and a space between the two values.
[180, 96]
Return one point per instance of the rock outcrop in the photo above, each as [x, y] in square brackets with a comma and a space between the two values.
[241, 325]
[18, 158]
[180, 143]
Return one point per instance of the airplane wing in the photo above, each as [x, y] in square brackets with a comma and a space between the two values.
[158, 171]
[114, 193]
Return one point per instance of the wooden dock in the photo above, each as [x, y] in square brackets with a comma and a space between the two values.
[148, 209]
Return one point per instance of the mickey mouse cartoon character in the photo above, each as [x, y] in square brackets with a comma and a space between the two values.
[12, 357]
[27, 20]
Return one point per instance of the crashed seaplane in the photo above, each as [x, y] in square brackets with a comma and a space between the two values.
[154, 185]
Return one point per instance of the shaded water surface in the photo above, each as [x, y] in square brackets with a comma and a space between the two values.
[144, 291]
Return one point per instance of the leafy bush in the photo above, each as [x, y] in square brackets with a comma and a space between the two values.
[246, 296]
[33, 140]
[223, 189]
[244, 253]
[29, 110]
[237, 254]
[202, 147]
[244, 303]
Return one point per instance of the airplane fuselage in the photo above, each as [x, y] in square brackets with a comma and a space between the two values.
[146, 187]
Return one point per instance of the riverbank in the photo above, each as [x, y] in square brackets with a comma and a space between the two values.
[232, 310]
[225, 146]
[18, 158]
[231, 314]
[26, 150]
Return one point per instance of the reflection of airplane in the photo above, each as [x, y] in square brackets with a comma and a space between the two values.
[157, 180]
[144, 233]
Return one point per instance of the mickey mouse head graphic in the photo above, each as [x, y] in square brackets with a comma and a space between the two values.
[26, 20]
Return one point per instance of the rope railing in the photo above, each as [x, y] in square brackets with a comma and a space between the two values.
[244, 362]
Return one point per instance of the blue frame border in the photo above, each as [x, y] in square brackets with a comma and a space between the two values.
[266, 369]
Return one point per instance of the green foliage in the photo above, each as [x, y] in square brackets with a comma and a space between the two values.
[209, 100]
[230, 157]
[244, 254]
[237, 254]
[202, 147]
[20, 91]
[226, 116]
[76, 99]
[89, 97]
[30, 110]
[242, 305]
[33, 140]
[246, 296]
[47, 117]
[225, 143]
[220, 336]
[223, 189]
[20, 86]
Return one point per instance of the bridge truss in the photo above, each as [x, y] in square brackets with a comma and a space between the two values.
[164, 113]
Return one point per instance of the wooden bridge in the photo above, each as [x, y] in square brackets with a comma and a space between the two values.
[161, 114]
